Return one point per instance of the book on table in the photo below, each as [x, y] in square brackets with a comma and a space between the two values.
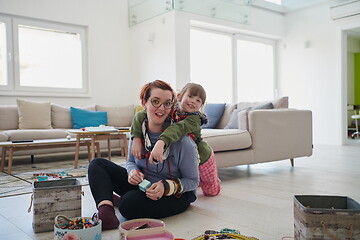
[101, 129]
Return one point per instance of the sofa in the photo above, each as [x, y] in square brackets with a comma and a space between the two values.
[257, 135]
[30, 120]
[262, 133]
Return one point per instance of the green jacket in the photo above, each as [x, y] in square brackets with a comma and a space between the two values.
[173, 133]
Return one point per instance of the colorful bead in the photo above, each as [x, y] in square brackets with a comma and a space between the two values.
[79, 223]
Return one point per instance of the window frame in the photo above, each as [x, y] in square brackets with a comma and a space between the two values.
[13, 68]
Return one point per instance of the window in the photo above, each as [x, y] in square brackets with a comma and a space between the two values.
[3, 54]
[255, 69]
[46, 58]
[211, 66]
[232, 67]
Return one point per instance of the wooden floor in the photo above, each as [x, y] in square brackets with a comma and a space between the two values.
[257, 199]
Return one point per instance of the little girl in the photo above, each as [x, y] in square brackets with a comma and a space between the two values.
[188, 120]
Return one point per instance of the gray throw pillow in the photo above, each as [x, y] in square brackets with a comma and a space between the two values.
[268, 105]
[233, 122]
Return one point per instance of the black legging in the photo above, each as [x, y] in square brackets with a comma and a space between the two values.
[106, 177]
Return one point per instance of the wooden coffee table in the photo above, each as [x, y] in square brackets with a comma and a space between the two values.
[11, 147]
[96, 136]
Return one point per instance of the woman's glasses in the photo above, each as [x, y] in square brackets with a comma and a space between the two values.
[156, 103]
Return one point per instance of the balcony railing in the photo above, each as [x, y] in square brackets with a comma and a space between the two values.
[230, 10]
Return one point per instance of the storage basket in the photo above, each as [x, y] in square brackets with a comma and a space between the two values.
[52, 198]
[326, 217]
[151, 234]
[91, 233]
[143, 227]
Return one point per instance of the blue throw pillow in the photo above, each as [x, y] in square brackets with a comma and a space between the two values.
[214, 112]
[84, 118]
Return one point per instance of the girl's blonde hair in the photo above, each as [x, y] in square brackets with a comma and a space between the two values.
[195, 90]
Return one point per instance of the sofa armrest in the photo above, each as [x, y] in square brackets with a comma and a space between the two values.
[280, 133]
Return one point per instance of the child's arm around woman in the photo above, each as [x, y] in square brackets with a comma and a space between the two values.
[136, 134]
[191, 124]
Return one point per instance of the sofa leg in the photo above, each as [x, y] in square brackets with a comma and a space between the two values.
[292, 162]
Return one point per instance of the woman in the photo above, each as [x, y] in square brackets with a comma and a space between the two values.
[173, 182]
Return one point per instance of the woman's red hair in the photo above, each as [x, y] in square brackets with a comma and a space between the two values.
[145, 92]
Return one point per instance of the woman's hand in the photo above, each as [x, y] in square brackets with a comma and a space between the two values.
[135, 177]
[155, 191]
[136, 149]
[157, 152]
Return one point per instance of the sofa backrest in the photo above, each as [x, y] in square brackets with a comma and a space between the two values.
[61, 117]
[278, 103]
[118, 116]
[282, 102]
[9, 117]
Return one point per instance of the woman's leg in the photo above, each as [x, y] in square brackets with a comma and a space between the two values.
[135, 204]
[105, 177]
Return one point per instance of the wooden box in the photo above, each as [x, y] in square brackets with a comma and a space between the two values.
[52, 198]
[326, 217]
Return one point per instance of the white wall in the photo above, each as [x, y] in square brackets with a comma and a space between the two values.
[309, 66]
[152, 50]
[108, 45]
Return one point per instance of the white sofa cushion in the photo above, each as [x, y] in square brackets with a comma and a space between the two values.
[9, 117]
[3, 137]
[34, 134]
[61, 117]
[34, 115]
[226, 139]
[118, 116]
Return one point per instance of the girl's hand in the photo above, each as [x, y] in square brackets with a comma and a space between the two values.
[136, 149]
[157, 152]
[155, 191]
[135, 177]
